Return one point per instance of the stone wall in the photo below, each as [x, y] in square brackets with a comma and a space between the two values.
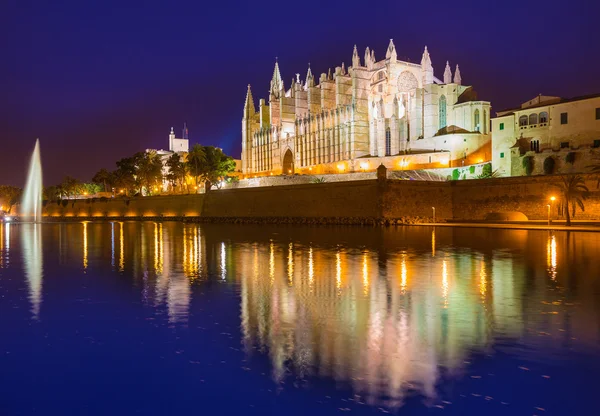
[530, 195]
[458, 200]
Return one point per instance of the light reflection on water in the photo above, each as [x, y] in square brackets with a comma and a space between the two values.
[384, 311]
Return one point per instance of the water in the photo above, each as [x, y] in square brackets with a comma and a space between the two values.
[169, 318]
[31, 205]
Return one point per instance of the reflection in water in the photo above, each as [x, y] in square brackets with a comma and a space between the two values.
[85, 245]
[31, 240]
[346, 309]
[4, 245]
[551, 255]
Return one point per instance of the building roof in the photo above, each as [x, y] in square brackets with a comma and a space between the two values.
[554, 101]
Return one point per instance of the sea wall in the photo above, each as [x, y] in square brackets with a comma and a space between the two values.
[474, 199]
[390, 199]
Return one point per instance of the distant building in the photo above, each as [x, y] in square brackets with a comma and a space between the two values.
[176, 145]
[384, 111]
[547, 127]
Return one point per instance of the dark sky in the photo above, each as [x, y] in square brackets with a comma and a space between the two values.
[100, 80]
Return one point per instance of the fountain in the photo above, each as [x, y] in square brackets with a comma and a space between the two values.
[31, 205]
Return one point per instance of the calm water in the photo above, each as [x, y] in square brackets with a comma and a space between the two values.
[178, 319]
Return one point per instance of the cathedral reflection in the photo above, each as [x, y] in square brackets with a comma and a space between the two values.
[379, 331]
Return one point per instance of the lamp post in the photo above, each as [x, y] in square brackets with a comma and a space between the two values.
[433, 208]
[550, 206]
[548, 214]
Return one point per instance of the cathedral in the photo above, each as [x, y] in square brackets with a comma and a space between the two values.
[374, 112]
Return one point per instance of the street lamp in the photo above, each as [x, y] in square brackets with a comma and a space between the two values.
[552, 199]
[433, 208]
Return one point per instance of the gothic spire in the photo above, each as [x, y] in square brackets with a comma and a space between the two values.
[457, 78]
[276, 81]
[249, 109]
[447, 74]
[310, 79]
[329, 77]
[391, 51]
[355, 58]
[368, 58]
[426, 68]
[343, 69]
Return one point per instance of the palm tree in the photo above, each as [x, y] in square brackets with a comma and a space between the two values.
[595, 169]
[195, 159]
[574, 191]
[103, 177]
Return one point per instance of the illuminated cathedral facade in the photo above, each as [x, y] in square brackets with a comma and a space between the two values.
[389, 111]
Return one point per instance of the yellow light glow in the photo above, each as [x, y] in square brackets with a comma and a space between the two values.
[403, 274]
[289, 171]
[85, 247]
[551, 256]
[271, 262]
[552, 198]
[121, 248]
[365, 270]
[482, 281]
[341, 167]
[338, 270]
[310, 168]
[364, 165]
[311, 267]
[290, 264]
[480, 161]
[445, 283]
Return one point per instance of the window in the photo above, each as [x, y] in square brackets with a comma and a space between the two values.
[502, 127]
[564, 118]
[534, 146]
[380, 88]
[380, 75]
[543, 117]
[564, 145]
[485, 121]
[597, 113]
[502, 155]
[388, 142]
[533, 119]
[596, 144]
[476, 118]
[523, 121]
[442, 112]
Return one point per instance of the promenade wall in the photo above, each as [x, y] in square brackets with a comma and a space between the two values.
[391, 199]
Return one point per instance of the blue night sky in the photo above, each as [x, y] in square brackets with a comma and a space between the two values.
[99, 80]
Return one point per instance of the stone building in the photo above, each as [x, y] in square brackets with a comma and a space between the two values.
[564, 129]
[386, 111]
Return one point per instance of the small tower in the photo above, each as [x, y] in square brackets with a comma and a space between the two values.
[276, 82]
[447, 74]
[391, 52]
[171, 140]
[457, 78]
[427, 68]
[247, 131]
[185, 131]
[310, 79]
[355, 58]
[368, 58]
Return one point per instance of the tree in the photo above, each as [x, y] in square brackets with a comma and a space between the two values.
[573, 191]
[148, 170]
[91, 188]
[217, 166]
[177, 170]
[124, 175]
[595, 169]
[104, 178]
[71, 187]
[528, 165]
[9, 196]
[52, 193]
[195, 161]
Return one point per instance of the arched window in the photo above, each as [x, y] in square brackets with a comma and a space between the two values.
[485, 122]
[388, 142]
[442, 112]
[543, 117]
[476, 120]
[523, 121]
[380, 75]
[533, 119]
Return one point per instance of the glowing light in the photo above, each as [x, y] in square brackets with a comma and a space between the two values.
[85, 246]
[223, 262]
[552, 198]
[121, 248]
[338, 270]
[341, 167]
[433, 242]
[310, 168]
[551, 256]
[365, 271]
[364, 165]
[445, 283]
[482, 280]
[271, 262]
[403, 274]
[290, 264]
[311, 268]
[289, 171]
[403, 163]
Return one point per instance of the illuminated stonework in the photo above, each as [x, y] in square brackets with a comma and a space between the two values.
[384, 109]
